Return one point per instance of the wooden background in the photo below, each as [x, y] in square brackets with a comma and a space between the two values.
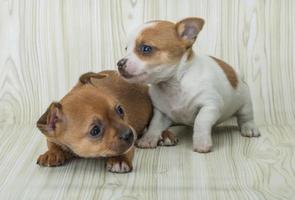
[46, 44]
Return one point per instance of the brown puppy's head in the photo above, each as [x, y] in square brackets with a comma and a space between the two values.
[156, 48]
[88, 122]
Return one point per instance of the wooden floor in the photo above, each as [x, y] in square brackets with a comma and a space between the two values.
[238, 168]
[46, 45]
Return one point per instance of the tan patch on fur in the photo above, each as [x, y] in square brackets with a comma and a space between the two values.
[187, 27]
[229, 72]
[167, 46]
[198, 23]
[167, 40]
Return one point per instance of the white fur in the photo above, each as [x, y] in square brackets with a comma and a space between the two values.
[138, 68]
[134, 65]
[195, 93]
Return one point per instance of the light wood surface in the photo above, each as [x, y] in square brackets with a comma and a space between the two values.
[238, 168]
[46, 44]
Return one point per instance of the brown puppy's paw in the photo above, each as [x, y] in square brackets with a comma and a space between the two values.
[118, 165]
[147, 142]
[168, 138]
[51, 159]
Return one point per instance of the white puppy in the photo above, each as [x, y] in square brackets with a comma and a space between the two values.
[189, 89]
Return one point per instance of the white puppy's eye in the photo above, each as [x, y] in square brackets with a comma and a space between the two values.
[146, 49]
[125, 48]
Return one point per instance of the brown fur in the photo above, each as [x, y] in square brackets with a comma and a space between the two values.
[183, 25]
[168, 41]
[229, 72]
[55, 156]
[92, 101]
[126, 159]
[167, 45]
[168, 138]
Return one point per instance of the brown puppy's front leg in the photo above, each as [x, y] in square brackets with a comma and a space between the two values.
[55, 156]
[121, 164]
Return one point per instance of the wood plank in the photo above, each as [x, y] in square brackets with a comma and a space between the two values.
[46, 45]
[238, 168]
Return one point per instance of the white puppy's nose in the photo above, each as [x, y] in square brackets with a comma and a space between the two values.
[122, 68]
[122, 63]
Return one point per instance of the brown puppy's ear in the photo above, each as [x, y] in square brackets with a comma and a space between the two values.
[53, 115]
[189, 28]
[86, 78]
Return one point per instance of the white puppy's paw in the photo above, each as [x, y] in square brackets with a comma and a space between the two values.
[202, 145]
[168, 139]
[249, 130]
[117, 165]
[147, 142]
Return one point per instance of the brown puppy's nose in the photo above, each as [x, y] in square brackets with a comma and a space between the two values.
[122, 63]
[127, 136]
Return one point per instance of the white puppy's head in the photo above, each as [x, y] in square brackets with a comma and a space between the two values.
[156, 48]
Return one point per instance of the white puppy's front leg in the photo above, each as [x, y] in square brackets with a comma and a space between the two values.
[158, 124]
[204, 121]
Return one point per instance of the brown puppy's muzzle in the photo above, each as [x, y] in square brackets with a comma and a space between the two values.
[127, 136]
[124, 140]
[122, 68]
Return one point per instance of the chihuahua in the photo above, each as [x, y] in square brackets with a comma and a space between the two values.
[100, 117]
[194, 90]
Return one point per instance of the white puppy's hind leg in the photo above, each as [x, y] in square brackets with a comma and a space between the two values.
[246, 121]
[204, 121]
[158, 124]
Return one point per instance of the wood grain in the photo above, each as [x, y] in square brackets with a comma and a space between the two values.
[46, 45]
[238, 168]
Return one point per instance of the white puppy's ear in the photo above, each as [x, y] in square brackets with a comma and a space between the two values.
[189, 28]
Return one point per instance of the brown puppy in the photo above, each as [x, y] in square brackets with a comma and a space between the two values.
[100, 117]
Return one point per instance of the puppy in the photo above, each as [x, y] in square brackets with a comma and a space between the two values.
[100, 117]
[194, 90]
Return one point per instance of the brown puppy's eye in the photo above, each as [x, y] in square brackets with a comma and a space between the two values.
[96, 131]
[119, 110]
